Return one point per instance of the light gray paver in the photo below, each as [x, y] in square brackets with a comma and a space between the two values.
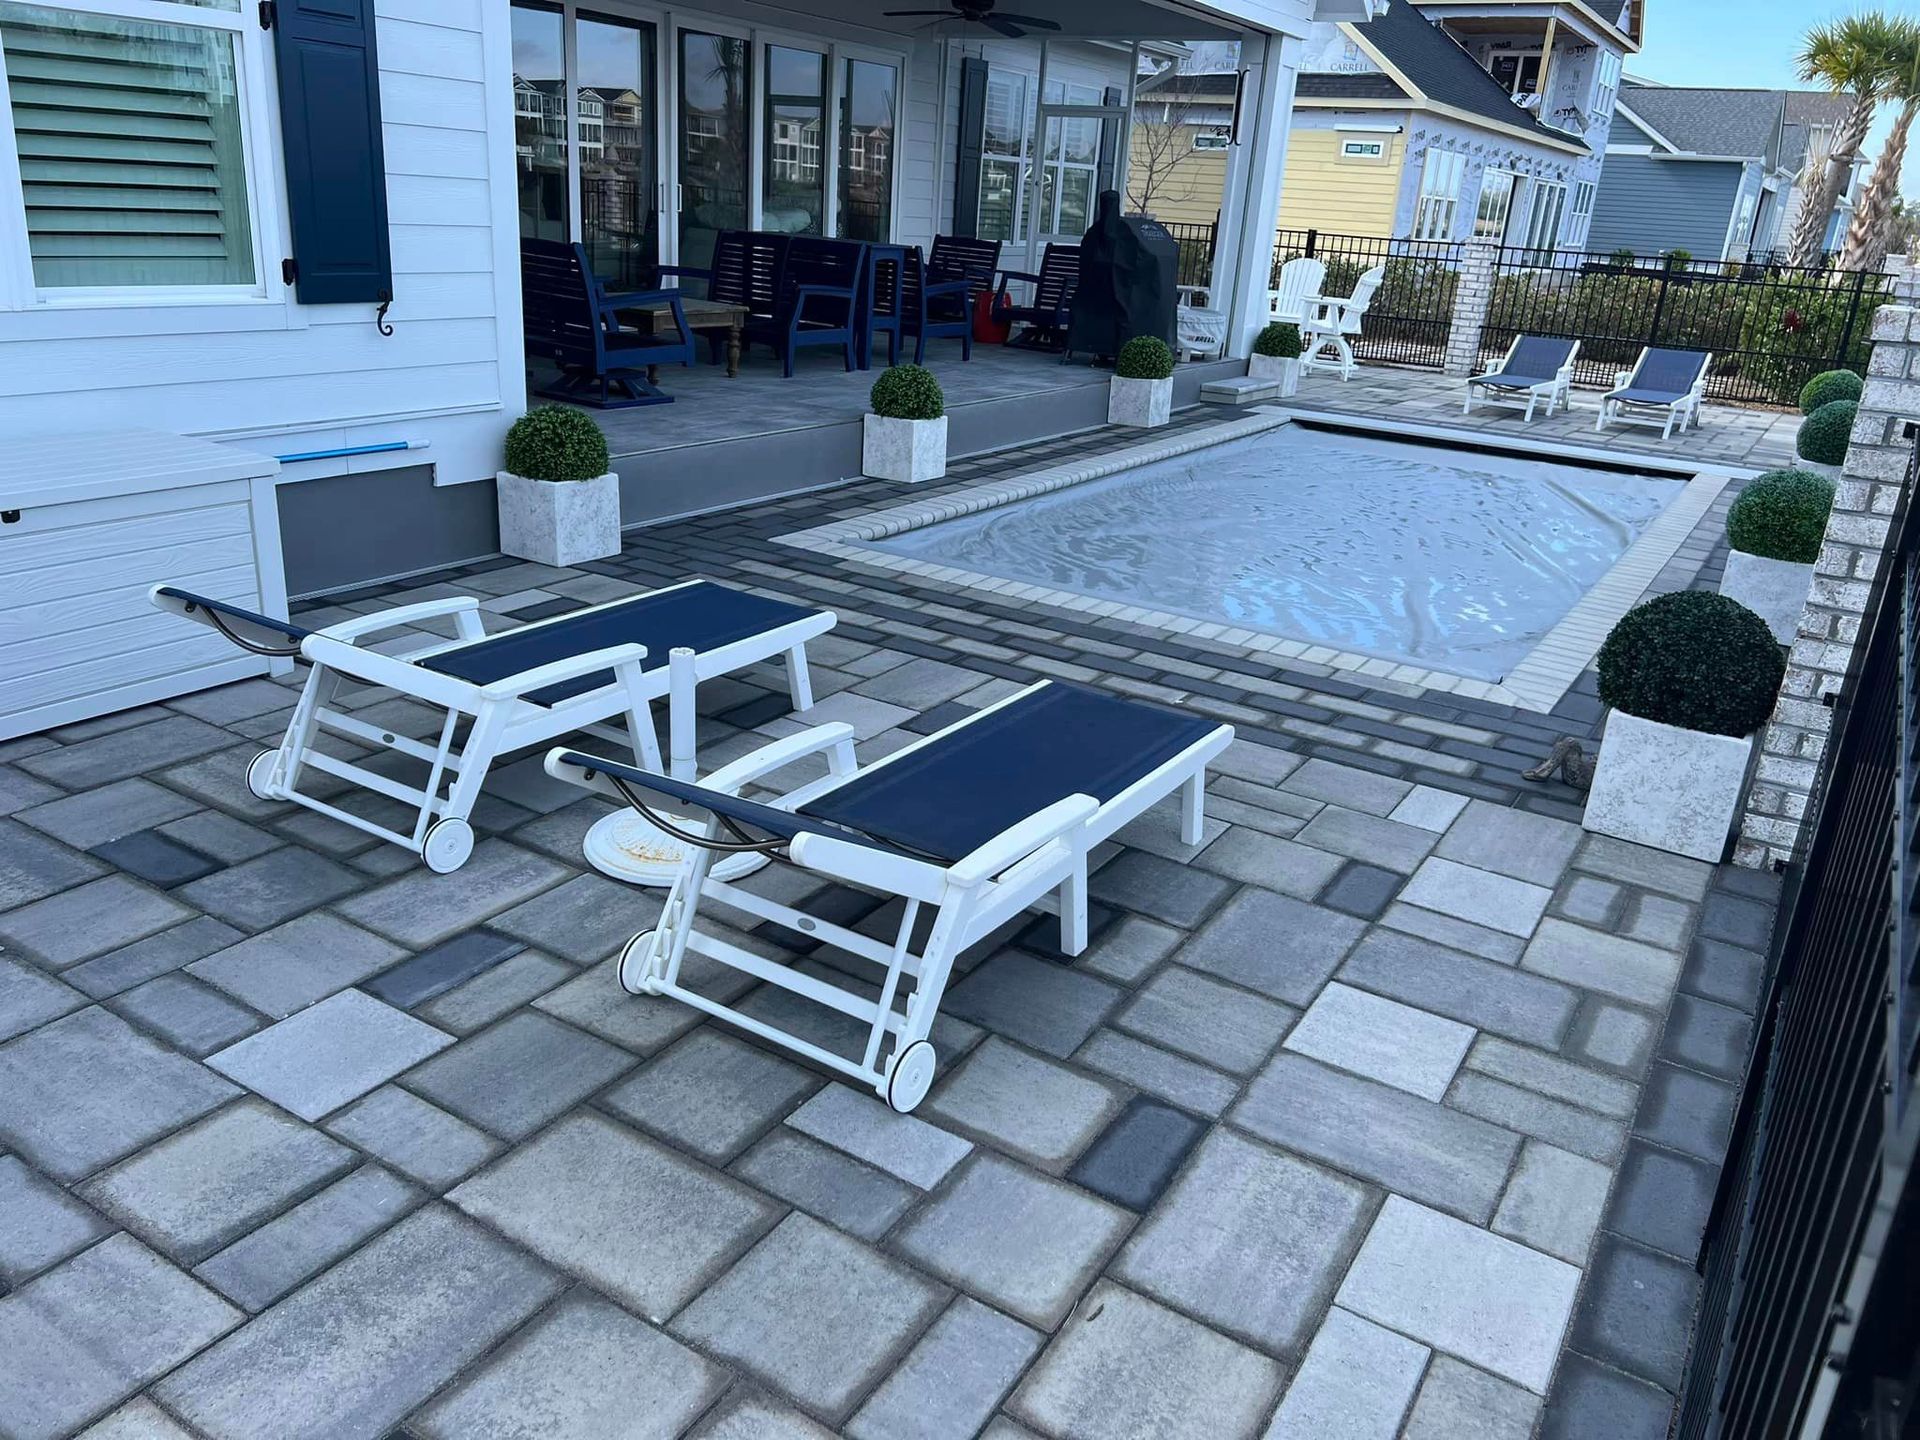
[1041, 1111]
[826, 1182]
[1186, 1083]
[1199, 1016]
[40, 1224]
[205, 1186]
[78, 924]
[712, 1093]
[1616, 1036]
[419, 1140]
[1408, 1144]
[1409, 1049]
[142, 748]
[354, 1350]
[1550, 1075]
[1481, 993]
[318, 1060]
[619, 1210]
[94, 817]
[270, 888]
[289, 967]
[1344, 785]
[749, 1414]
[1250, 1241]
[86, 1335]
[814, 1312]
[1457, 1400]
[1360, 836]
[138, 1419]
[1588, 899]
[1480, 896]
[1554, 1201]
[1428, 808]
[419, 908]
[482, 1079]
[865, 1128]
[1511, 842]
[1554, 1121]
[1455, 934]
[1014, 1238]
[1131, 948]
[1610, 964]
[1274, 944]
[952, 1381]
[1355, 1383]
[1249, 854]
[259, 1268]
[1125, 1368]
[1464, 1290]
[29, 997]
[1646, 867]
[32, 866]
[585, 919]
[585, 1368]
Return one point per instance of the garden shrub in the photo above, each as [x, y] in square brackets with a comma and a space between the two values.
[1144, 357]
[1782, 516]
[1829, 386]
[557, 442]
[1278, 339]
[907, 392]
[1823, 434]
[1693, 659]
[1787, 330]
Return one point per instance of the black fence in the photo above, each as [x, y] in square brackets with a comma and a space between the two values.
[1411, 313]
[1769, 328]
[1196, 244]
[1810, 1314]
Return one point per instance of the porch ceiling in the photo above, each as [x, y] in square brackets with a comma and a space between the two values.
[1123, 20]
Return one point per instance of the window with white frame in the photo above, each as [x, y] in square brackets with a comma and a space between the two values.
[1003, 150]
[1543, 225]
[1217, 137]
[1439, 202]
[1608, 89]
[128, 121]
[1583, 200]
[1495, 205]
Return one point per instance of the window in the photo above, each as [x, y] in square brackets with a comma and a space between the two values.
[1434, 212]
[794, 194]
[1496, 204]
[1609, 88]
[1218, 138]
[132, 146]
[1543, 225]
[1002, 147]
[1362, 149]
[1520, 74]
[1583, 199]
[866, 150]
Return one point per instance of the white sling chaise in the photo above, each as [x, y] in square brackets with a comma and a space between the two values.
[520, 687]
[974, 824]
[1535, 368]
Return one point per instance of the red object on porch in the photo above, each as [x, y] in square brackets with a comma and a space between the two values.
[988, 328]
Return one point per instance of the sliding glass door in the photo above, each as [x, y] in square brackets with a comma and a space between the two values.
[716, 140]
[619, 158]
[868, 128]
[540, 121]
[794, 121]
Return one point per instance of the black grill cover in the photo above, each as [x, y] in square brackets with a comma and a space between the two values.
[1128, 267]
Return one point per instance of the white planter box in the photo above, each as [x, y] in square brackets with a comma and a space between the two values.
[559, 522]
[1676, 790]
[1285, 370]
[1775, 590]
[1145, 403]
[906, 450]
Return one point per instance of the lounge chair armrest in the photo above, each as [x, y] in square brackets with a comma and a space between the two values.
[399, 618]
[559, 671]
[1621, 379]
[805, 293]
[836, 738]
[627, 298]
[1011, 846]
[946, 287]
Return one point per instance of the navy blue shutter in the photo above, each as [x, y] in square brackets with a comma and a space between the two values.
[336, 168]
[973, 135]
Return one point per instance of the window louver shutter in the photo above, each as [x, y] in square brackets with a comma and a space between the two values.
[336, 167]
[973, 135]
[130, 156]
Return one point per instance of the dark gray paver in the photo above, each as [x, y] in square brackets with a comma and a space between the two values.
[260, 1267]
[1249, 1240]
[1345, 785]
[159, 954]
[1158, 888]
[290, 966]
[1686, 1111]
[419, 1140]
[88, 1089]
[585, 1368]
[1050, 1007]
[596, 1002]
[823, 1181]
[1662, 1199]
[812, 1311]
[77, 925]
[437, 970]
[953, 1380]
[481, 1078]
[1184, 1082]
[33, 867]
[585, 919]
[1134, 1161]
[1253, 857]
[496, 992]
[712, 1093]
[1558, 1123]
[152, 857]
[1199, 1016]
[419, 908]
[89, 1333]
[356, 1349]
[189, 1016]
[316, 1061]
[1041, 1111]
[1363, 890]
[626, 1214]
[1476, 992]
[1702, 1035]
[1593, 1402]
[40, 1224]
[1279, 946]
[1637, 1311]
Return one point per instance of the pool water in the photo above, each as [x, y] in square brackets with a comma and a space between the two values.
[1447, 559]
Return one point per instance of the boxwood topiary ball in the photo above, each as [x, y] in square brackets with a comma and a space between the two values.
[1782, 516]
[1823, 434]
[907, 392]
[1693, 659]
[1144, 357]
[557, 442]
[1278, 339]
[1829, 386]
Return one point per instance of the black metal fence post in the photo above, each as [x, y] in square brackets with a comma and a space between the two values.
[1853, 316]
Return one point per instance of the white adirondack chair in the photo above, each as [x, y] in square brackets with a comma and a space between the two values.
[1299, 291]
[1334, 323]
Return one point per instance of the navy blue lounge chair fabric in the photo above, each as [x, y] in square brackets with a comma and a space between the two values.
[949, 797]
[279, 635]
[701, 616]
[1535, 361]
[1663, 376]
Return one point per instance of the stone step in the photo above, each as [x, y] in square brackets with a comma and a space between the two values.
[1240, 390]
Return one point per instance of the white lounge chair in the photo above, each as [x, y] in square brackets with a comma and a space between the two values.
[973, 824]
[520, 687]
[1665, 388]
[1292, 301]
[1535, 368]
[1333, 324]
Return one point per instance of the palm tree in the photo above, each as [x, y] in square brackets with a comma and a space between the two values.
[1870, 232]
[1856, 56]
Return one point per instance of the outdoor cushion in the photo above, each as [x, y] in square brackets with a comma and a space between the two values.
[969, 784]
[702, 616]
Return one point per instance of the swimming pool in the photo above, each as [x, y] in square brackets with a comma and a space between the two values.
[1446, 559]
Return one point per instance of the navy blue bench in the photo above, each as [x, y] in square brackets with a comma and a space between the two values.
[573, 323]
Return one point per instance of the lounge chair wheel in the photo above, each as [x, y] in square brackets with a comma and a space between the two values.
[633, 964]
[447, 844]
[258, 770]
[912, 1077]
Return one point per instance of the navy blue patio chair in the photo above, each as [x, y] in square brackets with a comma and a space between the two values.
[572, 322]
[745, 271]
[937, 305]
[1535, 368]
[1053, 287]
[1664, 388]
[817, 301]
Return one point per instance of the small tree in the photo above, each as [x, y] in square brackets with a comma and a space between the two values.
[1857, 57]
[1871, 229]
[1160, 146]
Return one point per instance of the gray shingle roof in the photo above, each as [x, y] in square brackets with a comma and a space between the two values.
[1711, 122]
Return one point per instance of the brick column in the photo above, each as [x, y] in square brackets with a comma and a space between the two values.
[1470, 301]
[1850, 555]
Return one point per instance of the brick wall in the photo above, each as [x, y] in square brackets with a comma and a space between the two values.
[1470, 301]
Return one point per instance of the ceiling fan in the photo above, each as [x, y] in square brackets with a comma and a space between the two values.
[981, 12]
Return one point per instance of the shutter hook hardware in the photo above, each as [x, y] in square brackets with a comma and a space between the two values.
[380, 315]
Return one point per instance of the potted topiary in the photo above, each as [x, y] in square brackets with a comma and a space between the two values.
[1774, 530]
[905, 437]
[1824, 434]
[1141, 392]
[1827, 387]
[1276, 356]
[558, 502]
[1690, 677]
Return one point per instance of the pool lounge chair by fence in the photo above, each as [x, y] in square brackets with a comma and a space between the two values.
[1664, 389]
[519, 688]
[975, 823]
[1535, 368]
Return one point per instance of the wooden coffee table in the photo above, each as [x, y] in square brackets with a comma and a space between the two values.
[701, 315]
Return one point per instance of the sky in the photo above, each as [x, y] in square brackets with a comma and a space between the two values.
[1749, 44]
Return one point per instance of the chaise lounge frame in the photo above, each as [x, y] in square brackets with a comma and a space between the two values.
[1503, 388]
[1671, 407]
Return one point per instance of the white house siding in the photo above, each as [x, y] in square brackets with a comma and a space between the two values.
[1484, 149]
[280, 377]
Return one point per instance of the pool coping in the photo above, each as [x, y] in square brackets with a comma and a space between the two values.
[1537, 683]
